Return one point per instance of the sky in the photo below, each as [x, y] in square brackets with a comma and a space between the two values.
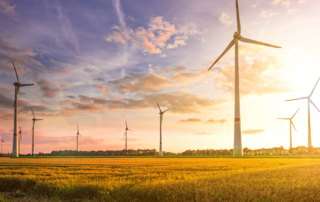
[98, 63]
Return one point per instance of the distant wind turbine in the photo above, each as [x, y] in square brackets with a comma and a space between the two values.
[34, 121]
[17, 85]
[309, 121]
[2, 144]
[127, 134]
[237, 146]
[291, 123]
[78, 138]
[20, 138]
[161, 116]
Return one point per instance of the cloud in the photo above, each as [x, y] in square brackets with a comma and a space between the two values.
[224, 19]
[286, 3]
[291, 11]
[155, 38]
[120, 14]
[5, 90]
[302, 1]
[8, 10]
[5, 116]
[267, 14]
[99, 79]
[102, 88]
[203, 133]
[169, 69]
[257, 70]
[88, 70]
[252, 131]
[190, 77]
[46, 88]
[63, 86]
[191, 120]
[213, 121]
[141, 82]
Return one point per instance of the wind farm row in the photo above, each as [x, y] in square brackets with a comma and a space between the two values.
[237, 148]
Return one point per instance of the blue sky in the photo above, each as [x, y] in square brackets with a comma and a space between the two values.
[99, 63]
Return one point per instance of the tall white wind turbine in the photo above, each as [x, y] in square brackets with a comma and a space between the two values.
[2, 145]
[291, 123]
[309, 119]
[237, 146]
[34, 121]
[126, 135]
[78, 138]
[161, 116]
[20, 138]
[17, 85]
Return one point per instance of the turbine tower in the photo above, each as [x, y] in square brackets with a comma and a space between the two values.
[161, 116]
[78, 138]
[34, 121]
[309, 121]
[20, 138]
[15, 104]
[291, 123]
[127, 135]
[237, 146]
[1, 145]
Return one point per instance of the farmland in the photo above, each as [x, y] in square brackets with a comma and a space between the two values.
[160, 179]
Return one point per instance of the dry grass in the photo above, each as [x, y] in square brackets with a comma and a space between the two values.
[163, 179]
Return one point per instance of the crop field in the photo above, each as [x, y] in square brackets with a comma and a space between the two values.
[160, 179]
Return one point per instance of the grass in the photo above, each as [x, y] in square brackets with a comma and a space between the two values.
[291, 156]
[160, 179]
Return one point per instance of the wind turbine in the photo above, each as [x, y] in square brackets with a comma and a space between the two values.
[15, 104]
[309, 122]
[237, 146]
[161, 116]
[78, 138]
[126, 134]
[20, 138]
[1, 145]
[291, 123]
[34, 121]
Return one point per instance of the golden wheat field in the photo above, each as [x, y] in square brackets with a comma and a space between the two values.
[160, 179]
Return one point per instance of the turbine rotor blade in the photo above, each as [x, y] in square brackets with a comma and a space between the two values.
[314, 87]
[245, 40]
[166, 110]
[22, 85]
[293, 126]
[224, 52]
[302, 98]
[284, 118]
[295, 113]
[126, 125]
[159, 107]
[15, 71]
[314, 105]
[131, 130]
[78, 128]
[238, 18]
[38, 119]
[32, 112]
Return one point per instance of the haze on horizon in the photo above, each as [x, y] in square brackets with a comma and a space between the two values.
[98, 64]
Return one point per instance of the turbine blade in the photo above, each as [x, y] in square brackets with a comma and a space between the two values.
[15, 71]
[245, 40]
[238, 18]
[125, 133]
[314, 105]
[284, 118]
[295, 113]
[32, 112]
[131, 130]
[166, 110]
[159, 107]
[78, 128]
[39, 119]
[22, 85]
[314, 87]
[294, 126]
[224, 52]
[302, 98]
[126, 125]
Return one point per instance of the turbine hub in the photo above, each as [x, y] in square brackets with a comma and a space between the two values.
[16, 84]
[236, 35]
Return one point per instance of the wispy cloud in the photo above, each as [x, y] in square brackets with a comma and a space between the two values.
[224, 19]
[191, 120]
[253, 131]
[267, 14]
[8, 9]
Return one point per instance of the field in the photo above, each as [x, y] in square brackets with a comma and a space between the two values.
[160, 179]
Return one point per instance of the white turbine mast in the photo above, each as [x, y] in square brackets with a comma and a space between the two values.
[161, 116]
[15, 152]
[126, 135]
[78, 138]
[309, 119]
[34, 121]
[20, 138]
[291, 123]
[237, 146]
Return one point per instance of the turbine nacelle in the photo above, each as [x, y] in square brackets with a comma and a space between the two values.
[237, 36]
